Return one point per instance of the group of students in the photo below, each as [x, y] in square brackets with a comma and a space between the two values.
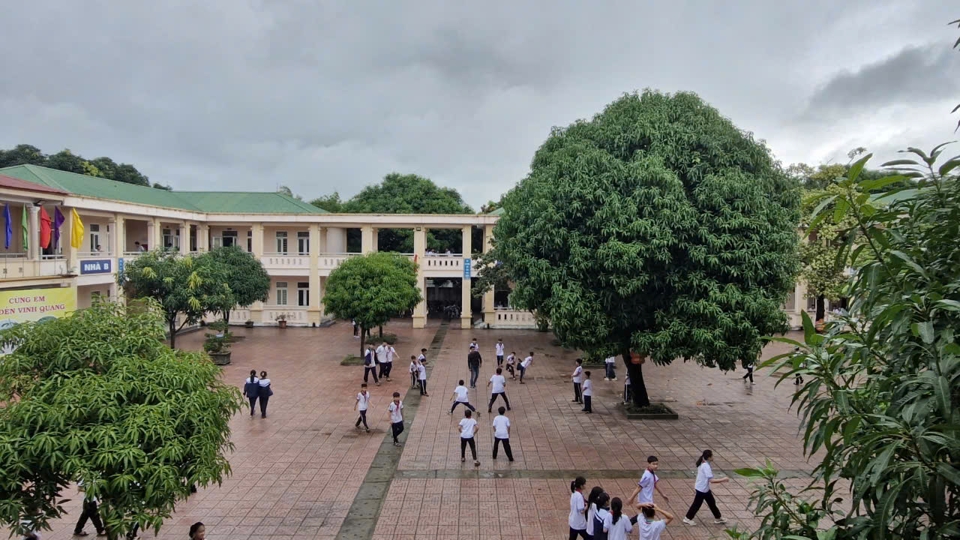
[257, 388]
[380, 358]
[600, 517]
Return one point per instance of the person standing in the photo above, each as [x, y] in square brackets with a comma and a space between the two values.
[414, 371]
[499, 388]
[592, 508]
[587, 393]
[616, 525]
[370, 365]
[461, 396]
[511, 362]
[611, 365]
[361, 405]
[356, 330]
[500, 348]
[702, 490]
[474, 345]
[91, 512]
[474, 360]
[264, 393]
[650, 528]
[749, 372]
[396, 417]
[251, 389]
[468, 429]
[391, 355]
[578, 508]
[423, 357]
[643, 494]
[382, 359]
[577, 380]
[501, 434]
[422, 377]
[603, 510]
[525, 365]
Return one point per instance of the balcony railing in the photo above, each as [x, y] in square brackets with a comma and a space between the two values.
[94, 254]
[329, 261]
[293, 314]
[12, 265]
[285, 261]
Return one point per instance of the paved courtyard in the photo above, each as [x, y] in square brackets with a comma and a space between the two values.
[306, 473]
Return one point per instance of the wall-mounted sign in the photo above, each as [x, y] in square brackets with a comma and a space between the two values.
[466, 269]
[120, 265]
[96, 266]
[35, 305]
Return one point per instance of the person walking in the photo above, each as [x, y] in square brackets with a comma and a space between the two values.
[382, 360]
[511, 364]
[198, 531]
[499, 388]
[702, 490]
[500, 348]
[468, 429]
[525, 365]
[474, 361]
[264, 393]
[251, 389]
[749, 372]
[651, 528]
[91, 512]
[643, 494]
[611, 366]
[461, 396]
[395, 411]
[422, 378]
[370, 365]
[592, 508]
[577, 380]
[361, 405]
[501, 434]
[391, 356]
[587, 393]
[616, 525]
[356, 330]
[603, 510]
[578, 508]
[414, 371]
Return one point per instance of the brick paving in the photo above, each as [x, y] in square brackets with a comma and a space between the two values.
[297, 473]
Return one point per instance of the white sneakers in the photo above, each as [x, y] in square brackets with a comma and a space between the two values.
[720, 521]
[689, 521]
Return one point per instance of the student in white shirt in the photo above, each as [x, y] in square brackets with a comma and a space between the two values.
[382, 360]
[643, 494]
[422, 378]
[363, 402]
[501, 434]
[616, 525]
[650, 528]
[414, 371]
[473, 345]
[611, 365]
[423, 357]
[468, 429]
[396, 417]
[499, 384]
[500, 352]
[603, 510]
[525, 365]
[578, 507]
[461, 396]
[577, 380]
[511, 363]
[386, 365]
[702, 487]
[592, 508]
[587, 393]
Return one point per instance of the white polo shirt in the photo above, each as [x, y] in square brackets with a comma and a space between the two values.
[363, 400]
[577, 374]
[381, 353]
[704, 474]
[500, 427]
[588, 388]
[396, 412]
[468, 427]
[577, 520]
[647, 482]
[499, 349]
[462, 393]
[526, 362]
[422, 371]
[497, 384]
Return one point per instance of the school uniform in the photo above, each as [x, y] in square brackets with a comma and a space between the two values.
[651, 529]
[251, 389]
[702, 492]
[468, 426]
[264, 396]
[501, 435]
[381, 352]
[498, 385]
[611, 365]
[588, 396]
[511, 361]
[591, 517]
[396, 420]
[422, 374]
[749, 372]
[363, 401]
[619, 530]
[577, 380]
[91, 512]
[523, 367]
[414, 374]
[598, 533]
[576, 520]
[370, 366]
[462, 398]
[648, 482]
[499, 354]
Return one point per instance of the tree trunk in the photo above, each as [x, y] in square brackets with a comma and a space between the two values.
[381, 331]
[226, 317]
[363, 340]
[821, 308]
[173, 334]
[637, 387]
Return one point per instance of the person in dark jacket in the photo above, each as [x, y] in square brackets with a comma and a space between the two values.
[474, 360]
[264, 393]
[251, 389]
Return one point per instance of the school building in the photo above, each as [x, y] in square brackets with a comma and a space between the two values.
[67, 235]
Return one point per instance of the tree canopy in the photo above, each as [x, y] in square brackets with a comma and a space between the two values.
[65, 160]
[98, 397]
[656, 227]
[370, 289]
[246, 278]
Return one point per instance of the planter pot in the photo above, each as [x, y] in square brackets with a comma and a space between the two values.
[220, 358]
[283, 324]
[665, 414]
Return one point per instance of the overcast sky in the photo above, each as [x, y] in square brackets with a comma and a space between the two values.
[246, 95]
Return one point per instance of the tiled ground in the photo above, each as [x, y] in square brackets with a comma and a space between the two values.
[296, 473]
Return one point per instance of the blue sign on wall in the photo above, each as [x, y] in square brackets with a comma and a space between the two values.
[120, 265]
[466, 269]
[96, 266]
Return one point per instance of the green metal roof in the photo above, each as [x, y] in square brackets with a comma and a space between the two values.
[223, 202]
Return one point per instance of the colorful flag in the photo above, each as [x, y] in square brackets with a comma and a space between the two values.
[58, 220]
[76, 229]
[46, 226]
[9, 225]
[24, 227]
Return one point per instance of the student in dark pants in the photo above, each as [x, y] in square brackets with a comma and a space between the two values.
[264, 394]
[395, 411]
[91, 512]
[577, 381]
[501, 434]
[251, 389]
[370, 365]
[587, 393]
[749, 373]
[702, 491]
[499, 383]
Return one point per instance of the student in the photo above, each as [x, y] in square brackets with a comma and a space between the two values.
[414, 371]
[650, 529]
[499, 384]
[703, 493]
[422, 378]
[592, 508]
[461, 395]
[524, 365]
[474, 345]
[627, 394]
[611, 365]
[468, 428]
[749, 372]
[264, 393]
[616, 525]
[391, 355]
[356, 330]
[423, 356]
[363, 401]
[382, 361]
[587, 393]
[797, 378]
[501, 434]
[396, 417]
[370, 365]
[511, 362]
[576, 520]
[577, 380]
[251, 389]
[499, 352]
[198, 531]
[140, 248]
[643, 495]
[474, 361]
[603, 510]
[91, 512]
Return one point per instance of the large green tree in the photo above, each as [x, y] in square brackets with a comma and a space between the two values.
[186, 287]
[370, 289]
[246, 278]
[880, 406]
[98, 397]
[65, 160]
[657, 227]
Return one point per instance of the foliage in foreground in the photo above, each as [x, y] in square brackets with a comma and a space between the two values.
[882, 394]
[98, 397]
[657, 227]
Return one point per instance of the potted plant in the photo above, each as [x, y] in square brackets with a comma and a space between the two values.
[218, 348]
[249, 323]
[282, 320]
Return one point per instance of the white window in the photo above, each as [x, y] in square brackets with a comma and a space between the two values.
[281, 293]
[303, 243]
[811, 303]
[94, 237]
[282, 242]
[303, 294]
[171, 239]
[791, 303]
[217, 242]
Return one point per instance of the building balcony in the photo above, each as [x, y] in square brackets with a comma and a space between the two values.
[295, 315]
[287, 263]
[330, 261]
[15, 265]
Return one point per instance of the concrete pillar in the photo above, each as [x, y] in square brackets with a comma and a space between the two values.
[488, 297]
[155, 234]
[33, 233]
[466, 315]
[203, 238]
[322, 234]
[118, 237]
[257, 229]
[184, 237]
[419, 251]
[368, 239]
[314, 311]
[70, 253]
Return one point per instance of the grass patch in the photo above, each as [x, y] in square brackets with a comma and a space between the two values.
[375, 339]
[352, 360]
